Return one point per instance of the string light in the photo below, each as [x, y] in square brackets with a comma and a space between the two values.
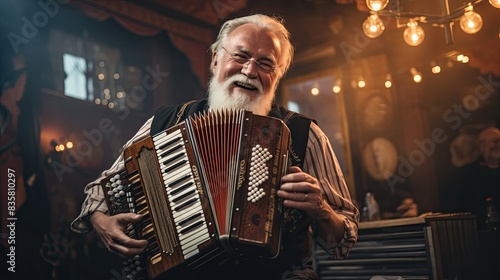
[470, 21]
[436, 69]
[373, 26]
[495, 3]
[377, 5]
[388, 81]
[413, 35]
[417, 76]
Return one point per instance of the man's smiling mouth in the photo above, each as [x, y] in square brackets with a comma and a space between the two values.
[245, 86]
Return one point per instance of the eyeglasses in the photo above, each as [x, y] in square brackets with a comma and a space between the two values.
[244, 59]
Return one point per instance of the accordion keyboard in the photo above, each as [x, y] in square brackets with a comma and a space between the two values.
[183, 196]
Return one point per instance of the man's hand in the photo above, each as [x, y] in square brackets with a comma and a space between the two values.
[302, 191]
[408, 208]
[111, 230]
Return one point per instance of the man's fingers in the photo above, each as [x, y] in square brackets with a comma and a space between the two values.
[126, 218]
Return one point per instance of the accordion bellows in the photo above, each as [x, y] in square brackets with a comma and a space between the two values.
[206, 187]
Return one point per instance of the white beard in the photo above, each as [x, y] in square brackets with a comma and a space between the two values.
[219, 96]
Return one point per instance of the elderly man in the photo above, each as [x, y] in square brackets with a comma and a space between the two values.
[249, 57]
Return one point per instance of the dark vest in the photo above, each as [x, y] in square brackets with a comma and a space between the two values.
[296, 244]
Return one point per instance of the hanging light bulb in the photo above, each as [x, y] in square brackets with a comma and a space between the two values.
[413, 34]
[376, 5]
[471, 22]
[417, 76]
[373, 26]
[495, 3]
[361, 82]
[337, 87]
[436, 69]
[388, 81]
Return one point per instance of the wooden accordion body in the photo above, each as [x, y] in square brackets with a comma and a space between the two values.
[206, 188]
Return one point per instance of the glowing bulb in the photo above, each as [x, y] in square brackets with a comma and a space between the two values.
[373, 26]
[376, 5]
[436, 69]
[361, 84]
[417, 76]
[69, 145]
[336, 89]
[471, 22]
[495, 3]
[314, 91]
[465, 59]
[388, 81]
[413, 35]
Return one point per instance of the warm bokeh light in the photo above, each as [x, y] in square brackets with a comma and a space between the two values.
[376, 5]
[314, 91]
[436, 69]
[495, 3]
[417, 76]
[373, 26]
[471, 22]
[413, 35]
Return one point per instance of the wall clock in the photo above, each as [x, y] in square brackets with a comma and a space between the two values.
[380, 158]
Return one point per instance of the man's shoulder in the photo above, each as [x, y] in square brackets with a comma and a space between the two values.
[166, 116]
[282, 112]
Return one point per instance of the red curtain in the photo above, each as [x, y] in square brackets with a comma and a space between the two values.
[194, 45]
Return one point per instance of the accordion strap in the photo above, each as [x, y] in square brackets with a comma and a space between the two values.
[180, 114]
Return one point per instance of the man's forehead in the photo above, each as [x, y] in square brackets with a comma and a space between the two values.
[489, 133]
[251, 32]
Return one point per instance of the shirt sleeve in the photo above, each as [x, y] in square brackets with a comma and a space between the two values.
[321, 162]
[95, 201]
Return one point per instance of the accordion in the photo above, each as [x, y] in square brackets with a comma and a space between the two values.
[206, 188]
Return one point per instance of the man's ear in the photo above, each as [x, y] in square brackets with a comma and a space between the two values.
[213, 63]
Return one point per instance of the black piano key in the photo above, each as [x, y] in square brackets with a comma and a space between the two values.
[173, 149]
[176, 190]
[191, 227]
[173, 167]
[185, 204]
[184, 195]
[190, 218]
[170, 160]
[185, 177]
[176, 139]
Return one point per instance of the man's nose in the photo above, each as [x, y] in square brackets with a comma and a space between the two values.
[250, 69]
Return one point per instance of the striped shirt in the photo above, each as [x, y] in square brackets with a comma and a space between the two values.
[320, 161]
